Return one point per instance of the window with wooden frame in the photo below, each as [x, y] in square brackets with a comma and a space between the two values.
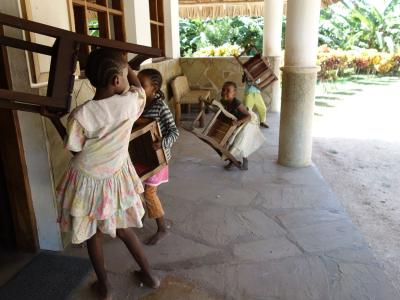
[100, 18]
[157, 24]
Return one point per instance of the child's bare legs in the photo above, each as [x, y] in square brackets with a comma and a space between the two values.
[95, 250]
[133, 244]
[155, 211]
[162, 231]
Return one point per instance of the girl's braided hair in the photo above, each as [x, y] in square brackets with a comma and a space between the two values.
[156, 79]
[103, 64]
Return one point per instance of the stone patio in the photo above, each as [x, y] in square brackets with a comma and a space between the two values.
[269, 233]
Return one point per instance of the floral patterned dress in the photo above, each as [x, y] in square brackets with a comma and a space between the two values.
[100, 189]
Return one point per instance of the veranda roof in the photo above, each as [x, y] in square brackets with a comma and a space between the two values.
[202, 9]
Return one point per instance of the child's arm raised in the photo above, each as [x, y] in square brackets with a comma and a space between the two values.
[55, 119]
[132, 78]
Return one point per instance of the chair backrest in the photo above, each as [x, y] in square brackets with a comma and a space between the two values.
[64, 55]
[180, 86]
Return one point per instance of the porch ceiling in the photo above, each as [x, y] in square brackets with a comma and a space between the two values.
[193, 9]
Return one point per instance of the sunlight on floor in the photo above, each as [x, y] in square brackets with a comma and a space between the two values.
[362, 109]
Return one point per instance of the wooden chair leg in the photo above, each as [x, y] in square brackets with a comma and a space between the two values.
[202, 118]
[178, 114]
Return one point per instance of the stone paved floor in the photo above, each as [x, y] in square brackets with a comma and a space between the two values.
[269, 233]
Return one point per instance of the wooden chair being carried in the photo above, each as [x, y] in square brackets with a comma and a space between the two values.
[146, 160]
[64, 55]
[218, 132]
[257, 69]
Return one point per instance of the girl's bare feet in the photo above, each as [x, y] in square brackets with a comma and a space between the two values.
[103, 290]
[159, 235]
[149, 280]
[162, 232]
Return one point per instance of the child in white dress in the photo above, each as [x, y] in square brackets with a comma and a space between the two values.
[248, 137]
[99, 192]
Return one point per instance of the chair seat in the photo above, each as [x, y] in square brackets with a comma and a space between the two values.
[193, 96]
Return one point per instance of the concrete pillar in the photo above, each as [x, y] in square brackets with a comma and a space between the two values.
[298, 82]
[273, 16]
[171, 23]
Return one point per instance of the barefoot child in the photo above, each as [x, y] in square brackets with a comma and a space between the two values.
[156, 108]
[253, 97]
[248, 137]
[99, 192]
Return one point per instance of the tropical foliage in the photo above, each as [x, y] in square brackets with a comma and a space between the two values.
[350, 24]
[199, 34]
[358, 24]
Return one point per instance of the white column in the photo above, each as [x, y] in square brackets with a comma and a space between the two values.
[298, 83]
[171, 23]
[137, 23]
[302, 26]
[273, 16]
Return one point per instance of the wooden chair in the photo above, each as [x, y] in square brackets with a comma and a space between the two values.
[64, 56]
[218, 131]
[146, 160]
[183, 94]
[257, 69]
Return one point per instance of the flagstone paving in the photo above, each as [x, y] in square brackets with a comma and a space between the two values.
[269, 233]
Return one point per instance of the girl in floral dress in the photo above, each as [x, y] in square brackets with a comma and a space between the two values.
[99, 192]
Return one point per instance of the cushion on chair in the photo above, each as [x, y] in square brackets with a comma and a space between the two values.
[180, 86]
[192, 97]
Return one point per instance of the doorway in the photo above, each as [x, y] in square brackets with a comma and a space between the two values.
[7, 234]
[18, 233]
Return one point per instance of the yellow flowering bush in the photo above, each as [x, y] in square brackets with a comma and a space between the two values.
[334, 63]
[224, 50]
[337, 63]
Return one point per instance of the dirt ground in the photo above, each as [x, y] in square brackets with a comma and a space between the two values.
[357, 150]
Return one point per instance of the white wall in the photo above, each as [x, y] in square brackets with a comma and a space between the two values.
[50, 12]
[171, 21]
[41, 180]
